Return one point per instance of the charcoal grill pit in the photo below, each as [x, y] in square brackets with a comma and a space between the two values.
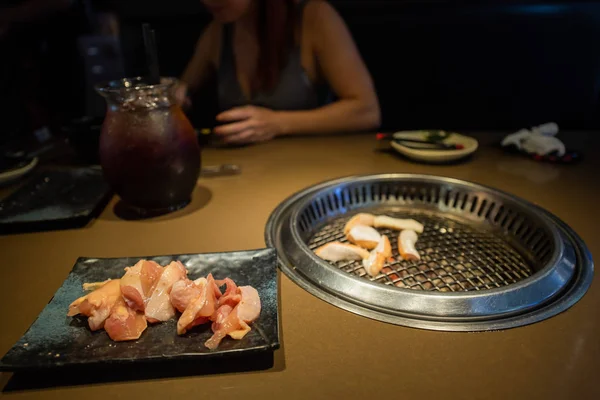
[489, 259]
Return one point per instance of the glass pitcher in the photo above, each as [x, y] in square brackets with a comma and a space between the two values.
[149, 151]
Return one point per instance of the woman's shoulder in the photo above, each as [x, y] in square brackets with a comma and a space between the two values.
[321, 20]
[210, 40]
[318, 15]
[318, 11]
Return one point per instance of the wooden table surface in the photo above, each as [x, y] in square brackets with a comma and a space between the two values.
[326, 351]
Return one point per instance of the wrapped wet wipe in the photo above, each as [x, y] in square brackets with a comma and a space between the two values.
[539, 140]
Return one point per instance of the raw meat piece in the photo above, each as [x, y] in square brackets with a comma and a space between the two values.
[215, 285]
[115, 304]
[98, 304]
[138, 283]
[150, 275]
[220, 315]
[185, 291]
[231, 296]
[235, 322]
[249, 307]
[159, 307]
[125, 323]
[200, 309]
[90, 286]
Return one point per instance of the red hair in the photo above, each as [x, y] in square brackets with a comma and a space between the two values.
[276, 22]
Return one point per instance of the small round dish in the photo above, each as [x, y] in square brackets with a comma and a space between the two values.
[434, 155]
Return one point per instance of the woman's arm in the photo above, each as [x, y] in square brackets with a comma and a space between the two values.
[204, 59]
[357, 107]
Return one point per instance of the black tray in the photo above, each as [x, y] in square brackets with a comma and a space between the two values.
[55, 199]
[55, 340]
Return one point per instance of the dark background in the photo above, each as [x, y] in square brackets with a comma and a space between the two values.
[436, 63]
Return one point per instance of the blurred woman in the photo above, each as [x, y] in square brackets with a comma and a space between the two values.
[277, 63]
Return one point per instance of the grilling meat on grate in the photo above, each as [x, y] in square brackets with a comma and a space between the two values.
[398, 224]
[359, 219]
[360, 230]
[382, 221]
[376, 260]
[364, 236]
[337, 251]
[406, 245]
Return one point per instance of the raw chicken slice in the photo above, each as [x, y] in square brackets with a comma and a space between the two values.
[150, 275]
[406, 245]
[98, 304]
[185, 291]
[138, 283]
[215, 285]
[235, 323]
[90, 286]
[220, 316]
[359, 219]
[249, 307]
[132, 290]
[383, 221]
[230, 285]
[230, 324]
[376, 260]
[239, 333]
[364, 236]
[201, 308]
[159, 307]
[125, 323]
[231, 296]
[337, 251]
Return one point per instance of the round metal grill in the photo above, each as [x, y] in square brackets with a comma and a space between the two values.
[489, 260]
[454, 257]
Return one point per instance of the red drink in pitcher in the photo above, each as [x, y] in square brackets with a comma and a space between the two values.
[148, 149]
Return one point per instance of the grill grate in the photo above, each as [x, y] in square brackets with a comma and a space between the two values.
[454, 257]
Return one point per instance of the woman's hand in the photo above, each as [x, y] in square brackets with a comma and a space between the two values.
[248, 124]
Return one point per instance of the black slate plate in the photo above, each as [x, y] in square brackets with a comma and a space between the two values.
[55, 340]
[55, 199]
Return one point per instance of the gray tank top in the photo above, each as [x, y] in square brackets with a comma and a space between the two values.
[293, 91]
